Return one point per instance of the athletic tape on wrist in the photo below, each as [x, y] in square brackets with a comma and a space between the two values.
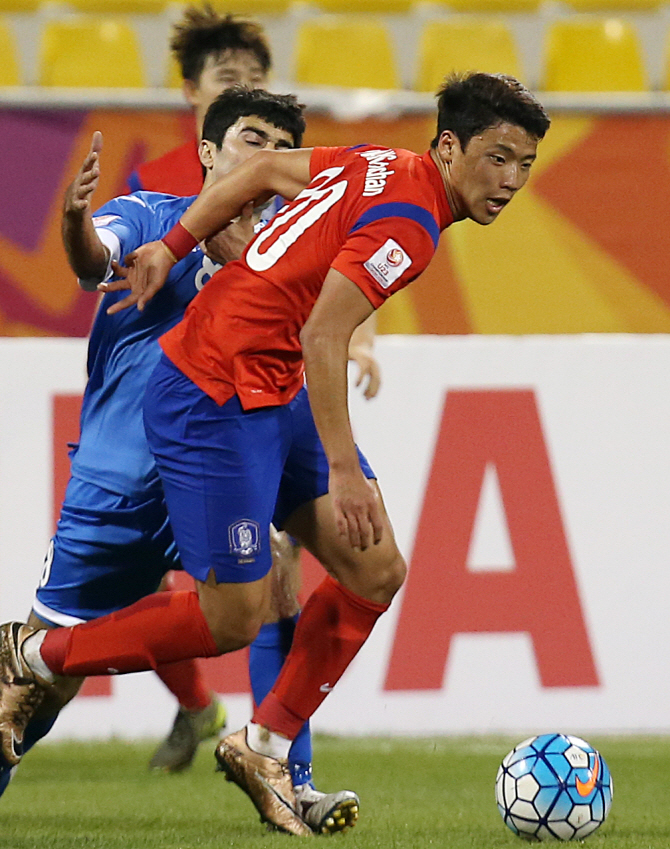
[179, 241]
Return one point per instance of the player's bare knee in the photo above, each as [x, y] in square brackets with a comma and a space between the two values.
[398, 572]
[392, 576]
[381, 580]
[234, 612]
[233, 635]
[228, 640]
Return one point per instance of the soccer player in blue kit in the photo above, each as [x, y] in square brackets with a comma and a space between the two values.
[114, 543]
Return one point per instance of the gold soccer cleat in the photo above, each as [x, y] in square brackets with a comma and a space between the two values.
[21, 693]
[266, 781]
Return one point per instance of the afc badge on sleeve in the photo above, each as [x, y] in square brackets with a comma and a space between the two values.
[245, 538]
[388, 263]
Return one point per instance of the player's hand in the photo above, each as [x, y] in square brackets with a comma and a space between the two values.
[147, 271]
[120, 271]
[229, 244]
[369, 373]
[357, 510]
[78, 193]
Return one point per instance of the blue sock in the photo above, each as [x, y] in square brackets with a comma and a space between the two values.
[36, 729]
[5, 777]
[266, 658]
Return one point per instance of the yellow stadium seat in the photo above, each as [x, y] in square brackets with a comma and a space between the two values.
[364, 6]
[490, 6]
[251, 7]
[9, 64]
[666, 77]
[473, 44]
[343, 51]
[19, 5]
[118, 7]
[593, 55]
[90, 52]
[613, 6]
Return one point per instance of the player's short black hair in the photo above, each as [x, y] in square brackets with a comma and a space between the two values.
[203, 32]
[281, 110]
[468, 104]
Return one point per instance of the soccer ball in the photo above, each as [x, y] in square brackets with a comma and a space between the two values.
[553, 787]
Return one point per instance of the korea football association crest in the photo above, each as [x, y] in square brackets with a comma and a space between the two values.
[245, 538]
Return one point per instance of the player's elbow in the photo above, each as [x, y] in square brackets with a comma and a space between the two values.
[316, 339]
[90, 265]
[89, 284]
[262, 167]
[278, 172]
[307, 339]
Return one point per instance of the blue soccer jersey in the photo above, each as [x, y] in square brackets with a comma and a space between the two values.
[123, 348]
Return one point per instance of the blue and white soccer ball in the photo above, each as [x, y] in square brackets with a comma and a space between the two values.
[554, 787]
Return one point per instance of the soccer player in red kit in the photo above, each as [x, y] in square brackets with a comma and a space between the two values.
[215, 52]
[236, 440]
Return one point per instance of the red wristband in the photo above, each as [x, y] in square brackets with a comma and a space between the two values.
[179, 241]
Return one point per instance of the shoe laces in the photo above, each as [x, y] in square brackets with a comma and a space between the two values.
[282, 773]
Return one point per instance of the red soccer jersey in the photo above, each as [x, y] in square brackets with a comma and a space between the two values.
[373, 214]
[178, 172]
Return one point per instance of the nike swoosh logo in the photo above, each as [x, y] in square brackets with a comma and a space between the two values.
[17, 745]
[586, 787]
[325, 688]
[276, 793]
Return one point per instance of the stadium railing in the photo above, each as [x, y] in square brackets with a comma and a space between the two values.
[345, 104]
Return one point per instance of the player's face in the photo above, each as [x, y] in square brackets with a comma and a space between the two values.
[232, 67]
[482, 179]
[244, 138]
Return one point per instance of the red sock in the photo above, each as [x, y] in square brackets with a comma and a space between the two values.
[332, 627]
[184, 680]
[161, 628]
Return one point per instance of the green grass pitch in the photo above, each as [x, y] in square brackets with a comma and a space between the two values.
[414, 793]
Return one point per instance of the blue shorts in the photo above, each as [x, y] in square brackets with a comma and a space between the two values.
[227, 474]
[109, 550]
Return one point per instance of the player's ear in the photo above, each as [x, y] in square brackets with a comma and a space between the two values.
[207, 153]
[447, 145]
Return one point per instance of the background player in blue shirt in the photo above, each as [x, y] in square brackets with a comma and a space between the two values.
[113, 543]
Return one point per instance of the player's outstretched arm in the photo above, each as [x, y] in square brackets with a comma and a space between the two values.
[267, 173]
[340, 308]
[229, 244]
[87, 256]
[361, 351]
